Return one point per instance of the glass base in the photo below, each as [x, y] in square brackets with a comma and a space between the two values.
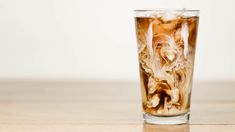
[179, 119]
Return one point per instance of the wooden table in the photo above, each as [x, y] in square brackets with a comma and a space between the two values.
[92, 106]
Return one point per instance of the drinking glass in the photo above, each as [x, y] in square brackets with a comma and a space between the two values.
[166, 42]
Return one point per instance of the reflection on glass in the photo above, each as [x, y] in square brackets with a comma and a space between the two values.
[165, 128]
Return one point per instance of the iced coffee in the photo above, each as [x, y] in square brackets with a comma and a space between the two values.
[166, 49]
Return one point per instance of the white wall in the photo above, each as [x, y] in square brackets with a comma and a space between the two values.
[95, 39]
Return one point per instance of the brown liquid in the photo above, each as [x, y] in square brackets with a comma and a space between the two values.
[166, 57]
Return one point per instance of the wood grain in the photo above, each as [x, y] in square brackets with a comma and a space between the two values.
[105, 106]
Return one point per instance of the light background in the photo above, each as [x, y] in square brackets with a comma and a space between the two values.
[95, 39]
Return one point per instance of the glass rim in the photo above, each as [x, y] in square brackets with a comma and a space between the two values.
[167, 9]
[159, 11]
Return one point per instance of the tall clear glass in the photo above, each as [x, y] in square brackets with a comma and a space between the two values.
[166, 49]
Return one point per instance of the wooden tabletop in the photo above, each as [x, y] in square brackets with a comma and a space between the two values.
[88, 106]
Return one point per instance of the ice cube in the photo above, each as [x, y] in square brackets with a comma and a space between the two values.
[152, 85]
[155, 100]
[170, 55]
[185, 34]
[174, 95]
[168, 15]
